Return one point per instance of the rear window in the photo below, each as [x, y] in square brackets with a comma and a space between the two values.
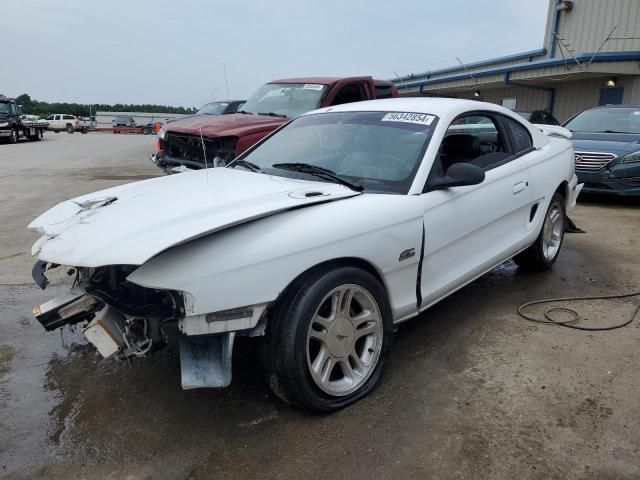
[383, 91]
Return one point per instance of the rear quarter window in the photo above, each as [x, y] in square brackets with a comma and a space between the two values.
[383, 91]
[520, 136]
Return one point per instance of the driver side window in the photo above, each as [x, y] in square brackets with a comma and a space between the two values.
[476, 139]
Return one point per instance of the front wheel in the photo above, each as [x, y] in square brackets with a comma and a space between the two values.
[545, 250]
[328, 339]
[13, 138]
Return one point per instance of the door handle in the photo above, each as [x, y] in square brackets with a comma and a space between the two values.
[518, 187]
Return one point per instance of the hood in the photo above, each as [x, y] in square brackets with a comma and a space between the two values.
[131, 223]
[236, 124]
[618, 143]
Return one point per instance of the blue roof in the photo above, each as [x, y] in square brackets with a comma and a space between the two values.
[483, 63]
[546, 62]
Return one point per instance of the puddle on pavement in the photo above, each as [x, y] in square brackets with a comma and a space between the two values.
[66, 408]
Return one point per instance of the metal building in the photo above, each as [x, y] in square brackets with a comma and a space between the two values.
[591, 56]
[105, 119]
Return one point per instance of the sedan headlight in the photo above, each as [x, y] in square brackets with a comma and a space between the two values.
[4, 124]
[161, 133]
[632, 157]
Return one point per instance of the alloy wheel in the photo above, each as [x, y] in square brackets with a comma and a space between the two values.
[553, 232]
[344, 340]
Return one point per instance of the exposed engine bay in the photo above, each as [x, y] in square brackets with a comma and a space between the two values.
[119, 317]
[195, 152]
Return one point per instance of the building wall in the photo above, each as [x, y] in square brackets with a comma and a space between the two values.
[587, 25]
[572, 97]
[527, 99]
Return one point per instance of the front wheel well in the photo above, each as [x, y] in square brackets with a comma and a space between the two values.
[331, 264]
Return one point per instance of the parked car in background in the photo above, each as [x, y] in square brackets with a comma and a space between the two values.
[319, 239]
[220, 107]
[182, 143]
[14, 124]
[123, 121]
[63, 122]
[606, 141]
[540, 117]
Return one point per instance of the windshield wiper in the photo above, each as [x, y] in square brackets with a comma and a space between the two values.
[245, 112]
[272, 114]
[613, 131]
[245, 163]
[319, 172]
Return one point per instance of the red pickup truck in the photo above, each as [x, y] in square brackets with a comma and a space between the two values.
[183, 143]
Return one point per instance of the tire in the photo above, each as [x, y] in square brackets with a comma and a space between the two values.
[69, 128]
[13, 138]
[545, 250]
[146, 131]
[84, 131]
[294, 343]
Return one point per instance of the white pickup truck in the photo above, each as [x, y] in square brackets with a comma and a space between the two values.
[69, 123]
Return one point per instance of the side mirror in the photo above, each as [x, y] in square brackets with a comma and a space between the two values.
[459, 175]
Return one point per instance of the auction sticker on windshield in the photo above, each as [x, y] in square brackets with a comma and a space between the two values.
[313, 86]
[419, 118]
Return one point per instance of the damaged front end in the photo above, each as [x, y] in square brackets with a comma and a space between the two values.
[122, 319]
[119, 318]
[179, 152]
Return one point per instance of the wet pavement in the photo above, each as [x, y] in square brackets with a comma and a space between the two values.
[472, 390]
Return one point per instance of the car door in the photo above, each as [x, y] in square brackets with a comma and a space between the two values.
[471, 229]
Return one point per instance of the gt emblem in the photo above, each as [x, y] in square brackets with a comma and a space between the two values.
[578, 158]
[410, 252]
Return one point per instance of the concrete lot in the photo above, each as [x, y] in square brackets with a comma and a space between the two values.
[472, 390]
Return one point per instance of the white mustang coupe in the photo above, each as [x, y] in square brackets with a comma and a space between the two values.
[318, 239]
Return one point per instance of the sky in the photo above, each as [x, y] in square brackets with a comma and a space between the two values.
[174, 52]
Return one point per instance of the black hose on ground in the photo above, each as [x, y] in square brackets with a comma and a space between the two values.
[549, 320]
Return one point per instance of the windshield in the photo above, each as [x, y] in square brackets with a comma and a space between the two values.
[287, 99]
[379, 150]
[606, 120]
[5, 107]
[213, 108]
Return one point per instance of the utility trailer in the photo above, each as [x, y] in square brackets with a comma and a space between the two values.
[141, 129]
[14, 124]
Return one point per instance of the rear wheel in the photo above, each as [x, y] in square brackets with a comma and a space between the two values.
[328, 339]
[69, 128]
[545, 250]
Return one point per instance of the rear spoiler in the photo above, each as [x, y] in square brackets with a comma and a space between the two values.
[554, 131]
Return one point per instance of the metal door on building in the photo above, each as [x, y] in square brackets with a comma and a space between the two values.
[611, 96]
